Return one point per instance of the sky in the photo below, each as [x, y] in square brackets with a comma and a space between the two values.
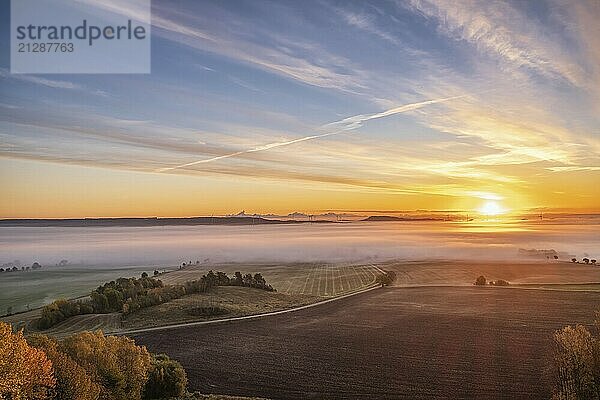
[274, 107]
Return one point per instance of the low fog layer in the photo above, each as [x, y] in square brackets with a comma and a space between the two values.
[353, 242]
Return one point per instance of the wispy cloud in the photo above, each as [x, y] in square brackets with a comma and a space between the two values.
[498, 29]
[366, 23]
[50, 83]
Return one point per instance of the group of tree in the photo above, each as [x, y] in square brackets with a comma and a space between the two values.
[85, 366]
[576, 363]
[256, 281]
[127, 295]
[14, 267]
[585, 260]
[481, 281]
[386, 278]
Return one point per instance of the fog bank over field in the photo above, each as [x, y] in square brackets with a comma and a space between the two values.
[344, 242]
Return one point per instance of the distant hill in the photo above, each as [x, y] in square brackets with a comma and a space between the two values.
[384, 218]
[151, 221]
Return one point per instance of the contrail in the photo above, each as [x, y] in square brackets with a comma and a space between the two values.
[343, 126]
[253, 150]
[357, 121]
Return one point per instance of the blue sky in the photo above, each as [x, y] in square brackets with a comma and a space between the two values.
[314, 105]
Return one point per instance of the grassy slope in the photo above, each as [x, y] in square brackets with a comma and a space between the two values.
[237, 301]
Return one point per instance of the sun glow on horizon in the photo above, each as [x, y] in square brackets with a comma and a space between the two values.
[491, 208]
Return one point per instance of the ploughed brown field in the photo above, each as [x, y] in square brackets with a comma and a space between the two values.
[397, 342]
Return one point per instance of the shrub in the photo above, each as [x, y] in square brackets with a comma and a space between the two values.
[208, 311]
[61, 309]
[167, 379]
[480, 281]
[25, 372]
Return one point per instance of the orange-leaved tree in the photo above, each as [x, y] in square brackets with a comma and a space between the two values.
[115, 363]
[72, 381]
[25, 372]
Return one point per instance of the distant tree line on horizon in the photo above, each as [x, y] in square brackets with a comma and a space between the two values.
[127, 295]
[585, 260]
[16, 266]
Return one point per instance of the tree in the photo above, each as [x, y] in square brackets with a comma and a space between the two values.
[573, 260]
[586, 260]
[480, 281]
[25, 372]
[238, 279]
[386, 278]
[72, 381]
[576, 367]
[144, 274]
[156, 272]
[116, 363]
[555, 257]
[593, 261]
[167, 379]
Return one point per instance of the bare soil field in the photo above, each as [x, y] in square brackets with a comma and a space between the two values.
[426, 342]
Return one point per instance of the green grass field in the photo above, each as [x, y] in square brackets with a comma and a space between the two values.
[37, 288]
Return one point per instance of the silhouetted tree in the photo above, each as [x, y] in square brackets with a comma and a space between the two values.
[573, 260]
[480, 281]
[593, 261]
[156, 272]
[586, 260]
[144, 275]
[556, 257]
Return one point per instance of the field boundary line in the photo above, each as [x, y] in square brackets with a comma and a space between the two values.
[253, 316]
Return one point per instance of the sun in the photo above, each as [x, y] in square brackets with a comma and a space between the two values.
[491, 207]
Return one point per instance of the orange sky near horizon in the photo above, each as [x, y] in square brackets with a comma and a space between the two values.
[47, 190]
